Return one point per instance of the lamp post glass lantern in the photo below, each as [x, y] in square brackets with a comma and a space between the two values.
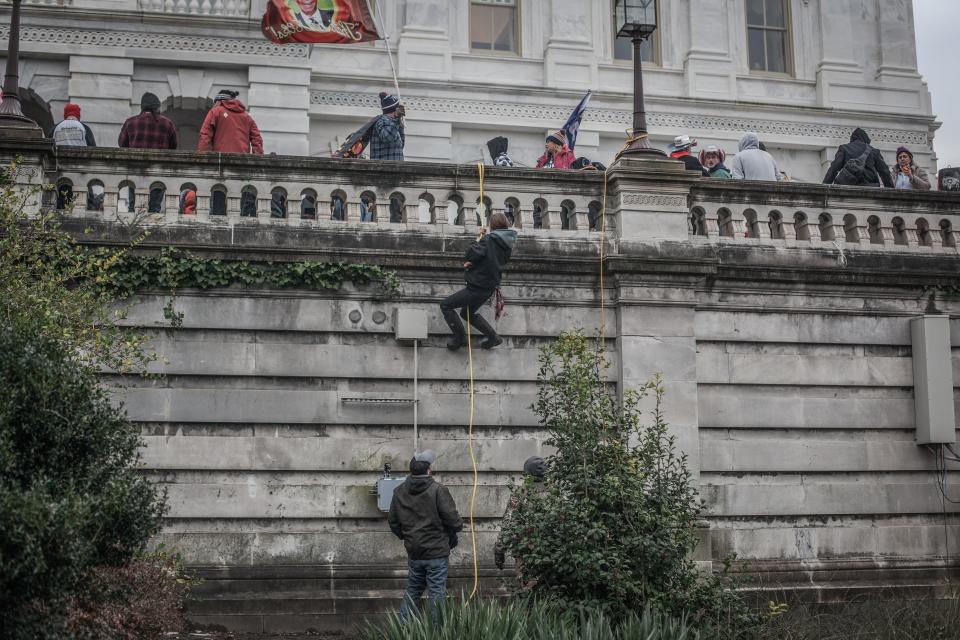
[637, 20]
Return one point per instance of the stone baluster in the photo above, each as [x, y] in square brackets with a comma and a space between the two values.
[581, 219]
[886, 233]
[910, 235]
[789, 229]
[813, 231]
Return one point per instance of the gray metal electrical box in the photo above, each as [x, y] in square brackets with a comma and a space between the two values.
[385, 488]
[411, 324]
[933, 380]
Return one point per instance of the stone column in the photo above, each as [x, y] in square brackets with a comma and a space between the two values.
[424, 49]
[102, 86]
[569, 59]
[279, 100]
[709, 69]
[839, 61]
[898, 43]
[656, 334]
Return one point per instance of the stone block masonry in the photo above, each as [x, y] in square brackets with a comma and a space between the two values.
[786, 358]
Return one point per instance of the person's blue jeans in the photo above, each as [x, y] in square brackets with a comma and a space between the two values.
[429, 575]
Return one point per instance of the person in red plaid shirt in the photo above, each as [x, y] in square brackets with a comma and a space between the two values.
[149, 130]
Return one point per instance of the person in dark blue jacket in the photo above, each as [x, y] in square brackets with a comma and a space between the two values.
[484, 262]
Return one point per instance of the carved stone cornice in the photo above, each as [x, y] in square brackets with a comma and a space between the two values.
[620, 117]
[163, 41]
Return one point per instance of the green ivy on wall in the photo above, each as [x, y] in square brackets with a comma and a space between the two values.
[174, 269]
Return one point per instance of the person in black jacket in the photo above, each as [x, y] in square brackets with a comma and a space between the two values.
[484, 263]
[859, 164]
[424, 515]
[681, 150]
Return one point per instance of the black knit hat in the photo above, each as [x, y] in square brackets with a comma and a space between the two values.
[149, 102]
[388, 103]
[535, 466]
[226, 94]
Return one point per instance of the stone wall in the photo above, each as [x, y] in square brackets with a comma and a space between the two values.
[778, 315]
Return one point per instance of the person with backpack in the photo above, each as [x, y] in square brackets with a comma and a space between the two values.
[857, 164]
[228, 128]
[752, 162]
[424, 515]
[484, 262]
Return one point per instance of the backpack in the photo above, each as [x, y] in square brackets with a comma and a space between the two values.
[356, 142]
[854, 171]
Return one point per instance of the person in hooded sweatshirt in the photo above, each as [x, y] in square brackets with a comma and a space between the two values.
[424, 515]
[228, 128]
[752, 162]
[680, 150]
[149, 130]
[712, 160]
[858, 164]
[484, 262]
[498, 152]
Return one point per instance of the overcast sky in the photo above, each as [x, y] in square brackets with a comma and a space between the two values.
[936, 22]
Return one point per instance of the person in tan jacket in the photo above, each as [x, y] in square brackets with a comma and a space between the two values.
[907, 175]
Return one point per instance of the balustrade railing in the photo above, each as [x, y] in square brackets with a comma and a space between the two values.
[812, 215]
[225, 8]
[308, 192]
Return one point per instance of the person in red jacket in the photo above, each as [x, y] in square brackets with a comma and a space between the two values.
[557, 154]
[228, 128]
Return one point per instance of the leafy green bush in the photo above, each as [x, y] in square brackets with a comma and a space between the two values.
[71, 497]
[521, 619]
[614, 524]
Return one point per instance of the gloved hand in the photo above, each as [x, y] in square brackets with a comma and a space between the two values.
[454, 540]
[499, 557]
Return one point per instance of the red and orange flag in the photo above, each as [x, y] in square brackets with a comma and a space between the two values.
[331, 21]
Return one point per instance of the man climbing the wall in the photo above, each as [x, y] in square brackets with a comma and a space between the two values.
[484, 263]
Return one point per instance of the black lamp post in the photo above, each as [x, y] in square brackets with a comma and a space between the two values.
[637, 19]
[11, 115]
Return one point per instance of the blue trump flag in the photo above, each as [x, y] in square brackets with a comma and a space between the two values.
[573, 122]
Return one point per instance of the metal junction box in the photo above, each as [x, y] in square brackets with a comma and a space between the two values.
[385, 488]
[933, 380]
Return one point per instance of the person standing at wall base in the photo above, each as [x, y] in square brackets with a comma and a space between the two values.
[149, 130]
[424, 515]
[228, 128]
[71, 132]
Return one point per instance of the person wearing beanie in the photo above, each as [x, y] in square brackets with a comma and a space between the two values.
[712, 160]
[534, 473]
[424, 515]
[906, 174]
[71, 132]
[387, 137]
[149, 129]
[557, 154]
[680, 150]
[228, 128]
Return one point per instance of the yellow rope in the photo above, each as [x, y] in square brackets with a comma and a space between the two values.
[473, 457]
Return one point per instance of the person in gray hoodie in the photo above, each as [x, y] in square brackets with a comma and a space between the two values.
[752, 163]
[484, 262]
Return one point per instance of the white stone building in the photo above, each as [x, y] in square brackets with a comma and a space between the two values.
[802, 73]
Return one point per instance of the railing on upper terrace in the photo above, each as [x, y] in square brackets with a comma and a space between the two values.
[646, 202]
[797, 214]
[233, 189]
[226, 8]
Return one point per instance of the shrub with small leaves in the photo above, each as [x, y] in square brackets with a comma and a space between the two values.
[614, 523]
